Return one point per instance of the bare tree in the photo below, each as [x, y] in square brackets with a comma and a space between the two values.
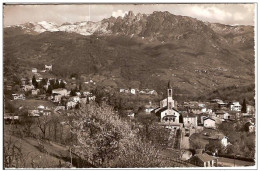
[42, 123]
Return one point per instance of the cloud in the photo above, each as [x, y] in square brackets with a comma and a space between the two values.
[119, 13]
[211, 12]
[217, 13]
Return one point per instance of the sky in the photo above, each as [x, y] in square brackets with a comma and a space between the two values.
[231, 14]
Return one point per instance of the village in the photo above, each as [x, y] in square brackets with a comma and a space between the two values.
[197, 129]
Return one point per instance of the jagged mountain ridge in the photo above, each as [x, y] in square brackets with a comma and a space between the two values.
[197, 56]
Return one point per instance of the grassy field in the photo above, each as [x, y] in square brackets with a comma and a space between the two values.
[34, 157]
[32, 103]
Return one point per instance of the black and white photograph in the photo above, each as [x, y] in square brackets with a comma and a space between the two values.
[129, 85]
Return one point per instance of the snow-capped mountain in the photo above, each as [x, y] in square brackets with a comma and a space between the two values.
[83, 28]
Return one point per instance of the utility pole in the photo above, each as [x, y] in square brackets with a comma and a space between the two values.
[234, 161]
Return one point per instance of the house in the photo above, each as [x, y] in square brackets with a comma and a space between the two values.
[132, 91]
[86, 93]
[78, 93]
[61, 91]
[221, 105]
[35, 92]
[56, 97]
[222, 114]
[251, 128]
[10, 118]
[34, 113]
[48, 67]
[131, 115]
[91, 98]
[219, 137]
[250, 109]
[18, 96]
[34, 70]
[83, 100]
[216, 101]
[70, 105]
[189, 120]
[203, 160]
[197, 109]
[27, 87]
[23, 81]
[46, 112]
[74, 99]
[234, 106]
[209, 123]
[149, 108]
[8, 87]
[201, 118]
[58, 108]
[167, 112]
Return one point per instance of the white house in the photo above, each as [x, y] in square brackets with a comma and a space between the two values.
[48, 67]
[34, 70]
[35, 92]
[132, 91]
[219, 137]
[71, 104]
[27, 87]
[61, 91]
[33, 112]
[251, 128]
[235, 106]
[74, 99]
[189, 120]
[209, 123]
[222, 114]
[18, 96]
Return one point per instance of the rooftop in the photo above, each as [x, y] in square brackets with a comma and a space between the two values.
[205, 157]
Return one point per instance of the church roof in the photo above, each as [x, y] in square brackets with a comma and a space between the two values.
[188, 115]
[204, 157]
[165, 108]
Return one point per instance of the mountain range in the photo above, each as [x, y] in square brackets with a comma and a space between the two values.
[140, 51]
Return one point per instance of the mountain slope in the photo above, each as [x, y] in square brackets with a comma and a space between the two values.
[148, 49]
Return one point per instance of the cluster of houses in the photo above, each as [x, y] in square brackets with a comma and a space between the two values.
[194, 117]
[46, 68]
[137, 91]
[61, 97]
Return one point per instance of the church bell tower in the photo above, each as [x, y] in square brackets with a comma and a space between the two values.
[170, 102]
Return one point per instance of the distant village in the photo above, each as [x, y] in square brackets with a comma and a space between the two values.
[186, 118]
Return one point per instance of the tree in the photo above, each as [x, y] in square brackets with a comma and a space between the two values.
[243, 109]
[147, 121]
[80, 88]
[102, 135]
[56, 85]
[196, 143]
[34, 82]
[73, 92]
[26, 121]
[214, 146]
[62, 84]
[49, 90]
[42, 123]
[77, 106]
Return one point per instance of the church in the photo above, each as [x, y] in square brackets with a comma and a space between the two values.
[167, 112]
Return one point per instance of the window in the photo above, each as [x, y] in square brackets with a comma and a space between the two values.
[169, 93]
[170, 105]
